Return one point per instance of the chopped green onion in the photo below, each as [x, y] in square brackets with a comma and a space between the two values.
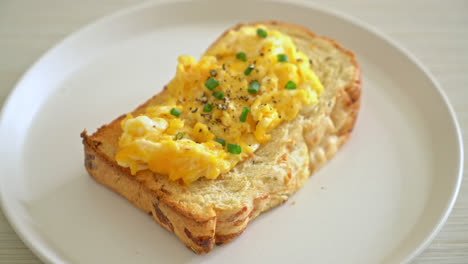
[245, 112]
[253, 87]
[179, 135]
[207, 108]
[249, 69]
[221, 141]
[241, 56]
[290, 85]
[261, 33]
[282, 58]
[211, 83]
[234, 149]
[219, 95]
[175, 112]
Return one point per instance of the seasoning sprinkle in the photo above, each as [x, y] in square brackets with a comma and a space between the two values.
[234, 149]
[221, 141]
[249, 69]
[175, 112]
[221, 106]
[253, 87]
[207, 116]
[241, 56]
[207, 108]
[262, 33]
[219, 95]
[211, 83]
[245, 112]
[282, 58]
[179, 136]
[290, 85]
[202, 99]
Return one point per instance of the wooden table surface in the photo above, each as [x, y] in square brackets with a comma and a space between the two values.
[433, 30]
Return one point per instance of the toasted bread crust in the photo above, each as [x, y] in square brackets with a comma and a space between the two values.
[197, 235]
[200, 231]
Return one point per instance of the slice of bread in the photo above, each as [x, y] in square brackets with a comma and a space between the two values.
[212, 212]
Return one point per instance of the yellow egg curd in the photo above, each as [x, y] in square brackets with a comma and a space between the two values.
[218, 110]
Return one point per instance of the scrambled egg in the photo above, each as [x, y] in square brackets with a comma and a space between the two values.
[221, 108]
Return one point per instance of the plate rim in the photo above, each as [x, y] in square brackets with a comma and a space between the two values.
[49, 256]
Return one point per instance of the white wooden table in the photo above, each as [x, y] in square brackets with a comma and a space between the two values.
[435, 31]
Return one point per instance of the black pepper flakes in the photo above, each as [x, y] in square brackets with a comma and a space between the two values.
[202, 99]
[195, 110]
[310, 62]
[224, 66]
[207, 116]
[213, 73]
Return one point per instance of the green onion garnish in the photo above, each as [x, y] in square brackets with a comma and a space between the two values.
[290, 85]
[253, 87]
[261, 33]
[249, 69]
[219, 95]
[234, 149]
[241, 56]
[221, 141]
[179, 135]
[175, 112]
[245, 112]
[207, 108]
[282, 58]
[211, 83]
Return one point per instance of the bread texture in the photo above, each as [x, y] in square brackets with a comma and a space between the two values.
[210, 212]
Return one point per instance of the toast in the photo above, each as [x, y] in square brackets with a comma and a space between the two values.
[209, 212]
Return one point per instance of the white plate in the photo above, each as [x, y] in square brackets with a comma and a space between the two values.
[381, 199]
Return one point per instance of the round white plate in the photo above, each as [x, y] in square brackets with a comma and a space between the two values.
[381, 199]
